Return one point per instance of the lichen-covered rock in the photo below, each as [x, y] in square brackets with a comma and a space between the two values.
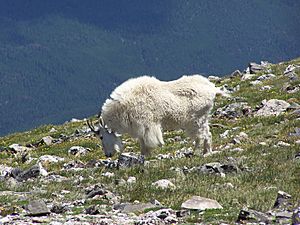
[273, 107]
[200, 203]
[130, 159]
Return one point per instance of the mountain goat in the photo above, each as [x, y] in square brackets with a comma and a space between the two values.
[142, 107]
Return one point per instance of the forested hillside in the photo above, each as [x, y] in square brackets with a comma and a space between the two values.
[61, 59]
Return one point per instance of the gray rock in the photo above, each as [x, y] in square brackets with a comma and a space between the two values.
[233, 110]
[37, 208]
[92, 210]
[216, 167]
[184, 153]
[283, 200]
[266, 77]
[272, 107]
[130, 159]
[78, 150]
[250, 216]
[74, 164]
[200, 203]
[95, 190]
[20, 175]
[296, 216]
[255, 68]
[59, 208]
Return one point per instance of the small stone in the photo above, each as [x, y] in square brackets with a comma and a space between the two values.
[52, 130]
[108, 174]
[48, 140]
[282, 200]
[130, 159]
[16, 148]
[95, 190]
[164, 184]
[59, 209]
[236, 73]
[214, 78]
[131, 180]
[266, 88]
[247, 76]
[92, 210]
[282, 144]
[43, 171]
[37, 208]
[248, 215]
[255, 68]
[263, 143]
[50, 159]
[200, 203]
[266, 77]
[20, 175]
[78, 150]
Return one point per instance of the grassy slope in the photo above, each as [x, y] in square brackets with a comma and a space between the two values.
[272, 168]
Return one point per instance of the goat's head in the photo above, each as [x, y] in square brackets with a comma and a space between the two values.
[111, 142]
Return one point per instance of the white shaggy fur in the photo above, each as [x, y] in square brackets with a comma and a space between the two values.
[144, 106]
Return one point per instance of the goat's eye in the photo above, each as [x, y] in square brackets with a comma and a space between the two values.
[101, 137]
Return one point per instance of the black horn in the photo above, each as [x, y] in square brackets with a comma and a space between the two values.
[91, 126]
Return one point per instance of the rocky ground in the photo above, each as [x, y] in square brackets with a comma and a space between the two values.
[59, 175]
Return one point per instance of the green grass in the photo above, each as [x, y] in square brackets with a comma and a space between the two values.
[271, 168]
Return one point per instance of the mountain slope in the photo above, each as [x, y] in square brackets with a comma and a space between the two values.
[256, 158]
[62, 59]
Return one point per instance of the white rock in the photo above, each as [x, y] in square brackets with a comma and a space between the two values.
[52, 130]
[247, 76]
[131, 180]
[255, 82]
[282, 144]
[262, 143]
[43, 172]
[297, 142]
[164, 184]
[200, 203]
[289, 68]
[108, 174]
[5, 170]
[48, 140]
[50, 159]
[224, 134]
[266, 88]
[242, 136]
[19, 148]
[214, 78]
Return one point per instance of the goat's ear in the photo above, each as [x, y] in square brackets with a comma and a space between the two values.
[101, 122]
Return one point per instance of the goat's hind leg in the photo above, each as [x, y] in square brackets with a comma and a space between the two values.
[203, 133]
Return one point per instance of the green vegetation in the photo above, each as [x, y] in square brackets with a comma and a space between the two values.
[270, 168]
